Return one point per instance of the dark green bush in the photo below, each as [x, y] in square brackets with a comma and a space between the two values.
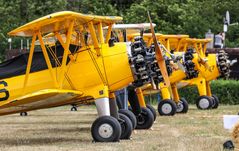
[226, 90]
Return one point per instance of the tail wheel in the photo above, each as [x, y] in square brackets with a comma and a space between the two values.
[106, 129]
[73, 108]
[23, 114]
[152, 109]
[204, 102]
[182, 106]
[216, 102]
[126, 126]
[145, 119]
[130, 115]
[167, 107]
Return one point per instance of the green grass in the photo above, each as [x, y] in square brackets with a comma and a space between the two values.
[61, 129]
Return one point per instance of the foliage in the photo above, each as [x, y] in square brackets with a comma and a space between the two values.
[191, 17]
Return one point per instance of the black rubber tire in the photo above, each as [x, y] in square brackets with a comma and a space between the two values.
[172, 109]
[184, 104]
[130, 108]
[145, 119]
[23, 114]
[113, 122]
[152, 109]
[73, 108]
[207, 106]
[126, 126]
[216, 102]
[130, 115]
[228, 145]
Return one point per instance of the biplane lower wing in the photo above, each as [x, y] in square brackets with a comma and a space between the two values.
[40, 99]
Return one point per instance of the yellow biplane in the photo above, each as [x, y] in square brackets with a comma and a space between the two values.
[208, 66]
[199, 70]
[171, 104]
[135, 97]
[166, 107]
[137, 105]
[205, 67]
[124, 32]
[120, 33]
[71, 71]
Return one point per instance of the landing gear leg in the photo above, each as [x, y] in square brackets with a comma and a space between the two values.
[105, 128]
[142, 103]
[145, 118]
[125, 122]
[215, 100]
[181, 103]
[166, 107]
[203, 102]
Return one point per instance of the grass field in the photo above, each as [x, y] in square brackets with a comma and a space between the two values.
[61, 129]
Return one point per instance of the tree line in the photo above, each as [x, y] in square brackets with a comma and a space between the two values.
[191, 17]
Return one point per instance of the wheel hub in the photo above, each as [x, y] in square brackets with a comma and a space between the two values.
[167, 108]
[204, 103]
[141, 120]
[105, 130]
[180, 106]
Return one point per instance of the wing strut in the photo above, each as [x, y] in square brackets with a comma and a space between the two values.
[48, 62]
[29, 62]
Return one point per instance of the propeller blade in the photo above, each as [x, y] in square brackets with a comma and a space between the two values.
[159, 56]
[203, 62]
[180, 66]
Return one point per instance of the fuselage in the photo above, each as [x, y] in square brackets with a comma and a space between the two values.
[89, 74]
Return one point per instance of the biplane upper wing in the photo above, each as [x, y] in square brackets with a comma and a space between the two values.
[39, 99]
[61, 21]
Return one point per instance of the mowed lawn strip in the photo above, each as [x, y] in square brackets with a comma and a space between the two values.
[61, 129]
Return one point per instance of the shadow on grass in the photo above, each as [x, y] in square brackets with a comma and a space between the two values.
[41, 141]
[54, 115]
[47, 136]
[58, 131]
[49, 122]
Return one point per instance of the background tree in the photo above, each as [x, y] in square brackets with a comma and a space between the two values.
[191, 17]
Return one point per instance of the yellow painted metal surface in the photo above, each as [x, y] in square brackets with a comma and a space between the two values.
[177, 76]
[175, 94]
[94, 71]
[140, 96]
[165, 92]
[54, 22]
[83, 74]
[179, 43]
[39, 99]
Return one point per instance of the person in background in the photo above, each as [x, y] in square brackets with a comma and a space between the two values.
[219, 38]
[223, 39]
